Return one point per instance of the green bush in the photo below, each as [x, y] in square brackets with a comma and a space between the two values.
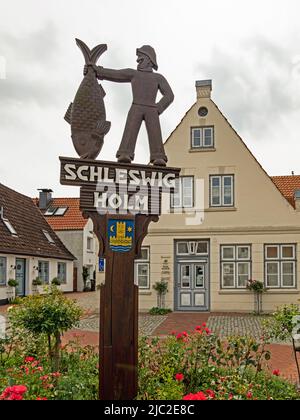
[12, 283]
[37, 282]
[159, 311]
[280, 326]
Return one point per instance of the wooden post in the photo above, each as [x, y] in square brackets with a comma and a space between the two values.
[137, 190]
[119, 311]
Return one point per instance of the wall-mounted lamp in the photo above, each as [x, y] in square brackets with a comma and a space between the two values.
[13, 267]
[36, 268]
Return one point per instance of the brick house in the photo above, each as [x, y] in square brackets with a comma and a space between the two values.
[29, 248]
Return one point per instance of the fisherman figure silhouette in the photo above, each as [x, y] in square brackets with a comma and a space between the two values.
[145, 86]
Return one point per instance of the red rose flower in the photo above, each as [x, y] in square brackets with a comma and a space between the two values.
[179, 377]
[276, 372]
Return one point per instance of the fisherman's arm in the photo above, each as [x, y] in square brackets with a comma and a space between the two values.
[122, 76]
[168, 95]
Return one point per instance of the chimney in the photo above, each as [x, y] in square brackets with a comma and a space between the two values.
[45, 198]
[297, 200]
[203, 88]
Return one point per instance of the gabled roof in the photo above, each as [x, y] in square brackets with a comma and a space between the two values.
[288, 185]
[282, 183]
[30, 225]
[71, 220]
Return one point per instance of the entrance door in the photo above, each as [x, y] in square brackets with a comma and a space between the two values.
[20, 276]
[192, 286]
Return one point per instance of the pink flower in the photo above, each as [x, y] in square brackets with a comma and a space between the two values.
[249, 395]
[207, 330]
[56, 375]
[179, 377]
[41, 399]
[276, 372]
[179, 337]
[204, 324]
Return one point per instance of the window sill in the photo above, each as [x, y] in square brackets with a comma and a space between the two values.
[202, 150]
[219, 209]
[269, 292]
[144, 292]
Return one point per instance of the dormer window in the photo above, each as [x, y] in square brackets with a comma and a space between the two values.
[202, 137]
[48, 236]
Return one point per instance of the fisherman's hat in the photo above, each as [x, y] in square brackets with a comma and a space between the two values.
[149, 52]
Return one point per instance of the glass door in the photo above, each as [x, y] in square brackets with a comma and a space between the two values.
[192, 286]
[20, 276]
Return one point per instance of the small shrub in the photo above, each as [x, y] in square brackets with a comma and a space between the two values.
[159, 311]
[37, 282]
[280, 326]
[12, 283]
[56, 282]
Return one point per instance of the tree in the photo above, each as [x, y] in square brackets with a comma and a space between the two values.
[50, 315]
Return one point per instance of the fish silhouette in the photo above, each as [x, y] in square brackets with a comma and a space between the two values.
[86, 114]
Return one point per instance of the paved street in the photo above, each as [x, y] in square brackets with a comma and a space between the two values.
[223, 324]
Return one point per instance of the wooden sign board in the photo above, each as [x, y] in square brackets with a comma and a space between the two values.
[114, 188]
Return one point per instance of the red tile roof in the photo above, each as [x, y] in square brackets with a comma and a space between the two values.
[287, 185]
[29, 223]
[71, 220]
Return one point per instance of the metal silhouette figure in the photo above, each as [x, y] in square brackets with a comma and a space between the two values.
[86, 114]
[145, 86]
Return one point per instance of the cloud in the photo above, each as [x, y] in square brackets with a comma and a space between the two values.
[257, 85]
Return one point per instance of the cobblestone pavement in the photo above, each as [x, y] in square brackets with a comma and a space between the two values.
[147, 324]
[226, 326]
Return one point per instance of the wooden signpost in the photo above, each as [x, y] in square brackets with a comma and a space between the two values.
[121, 199]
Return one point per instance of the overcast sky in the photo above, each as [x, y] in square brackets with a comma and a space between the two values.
[251, 50]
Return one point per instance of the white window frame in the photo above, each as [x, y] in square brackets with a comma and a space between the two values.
[280, 260]
[202, 131]
[182, 253]
[63, 281]
[48, 237]
[211, 191]
[238, 274]
[221, 202]
[228, 259]
[272, 261]
[294, 274]
[143, 262]
[179, 195]
[234, 274]
[182, 266]
[9, 227]
[272, 258]
[249, 252]
[288, 246]
[4, 270]
[90, 241]
[236, 261]
[47, 264]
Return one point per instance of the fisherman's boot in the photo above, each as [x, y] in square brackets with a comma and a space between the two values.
[124, 159]
[159, 162]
